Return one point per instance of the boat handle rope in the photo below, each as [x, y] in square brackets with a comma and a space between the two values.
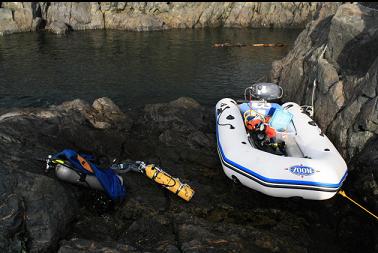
[281, 92]
[342, 193]
[220, 111]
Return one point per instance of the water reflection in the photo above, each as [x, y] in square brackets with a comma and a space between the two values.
[133, 68]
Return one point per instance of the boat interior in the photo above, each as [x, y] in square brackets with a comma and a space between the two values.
[284, 143]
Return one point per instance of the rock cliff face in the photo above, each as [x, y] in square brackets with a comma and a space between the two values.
[339, 49]
[147, 16]
[19, 17]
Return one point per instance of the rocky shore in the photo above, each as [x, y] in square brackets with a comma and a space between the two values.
[147, 16]
[39, 213]
[339, 50]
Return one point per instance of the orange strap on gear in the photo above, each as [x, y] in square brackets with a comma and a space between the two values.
[84, 163]
[270, 131]
[249, 118]
[251, 124]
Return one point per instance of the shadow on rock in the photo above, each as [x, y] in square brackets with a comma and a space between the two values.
[43, 214]
[358, 43]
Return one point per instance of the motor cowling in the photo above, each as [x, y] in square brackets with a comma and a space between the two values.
[265, 91]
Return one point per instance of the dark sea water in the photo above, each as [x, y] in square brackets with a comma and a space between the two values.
[134, 68]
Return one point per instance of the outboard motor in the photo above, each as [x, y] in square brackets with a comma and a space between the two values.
[264, 91]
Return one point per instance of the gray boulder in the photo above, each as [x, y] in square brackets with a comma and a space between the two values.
[78, 15]
[57, 27]
[35, 211]
[7, 24]
[19, 17]
[6, 15]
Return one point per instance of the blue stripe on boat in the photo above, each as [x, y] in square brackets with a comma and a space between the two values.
[276, 181]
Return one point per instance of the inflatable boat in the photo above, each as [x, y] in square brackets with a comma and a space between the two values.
[276, 149]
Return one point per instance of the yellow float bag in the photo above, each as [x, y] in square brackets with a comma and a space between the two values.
[173, 184]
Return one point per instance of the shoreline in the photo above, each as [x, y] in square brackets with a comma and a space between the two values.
[60, 18]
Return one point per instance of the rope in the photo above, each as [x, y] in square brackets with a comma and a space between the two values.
[220, 114]
[310, 108]
[342, 193]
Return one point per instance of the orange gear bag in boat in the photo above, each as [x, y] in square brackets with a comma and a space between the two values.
[252, 119]
[253, 124]
[270, 131]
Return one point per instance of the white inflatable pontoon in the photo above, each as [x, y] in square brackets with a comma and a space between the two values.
[310, 166]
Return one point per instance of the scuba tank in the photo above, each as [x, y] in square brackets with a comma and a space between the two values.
[174, 185]
[70, 166]
[159, 176]
[68, 174]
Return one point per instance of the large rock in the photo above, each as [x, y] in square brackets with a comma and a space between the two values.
[35, 211]
[178, 126]
[339, 50]
[7, 24]
[355, 49]
[19, 17]
[78, 16]
[57, 27]
[280, 15]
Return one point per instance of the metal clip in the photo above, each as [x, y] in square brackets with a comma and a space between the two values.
[49, 164]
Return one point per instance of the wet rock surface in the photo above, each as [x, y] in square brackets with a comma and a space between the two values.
[57, 27]
[148, 16]
[81, 245]
[339, 50]
[39, 213]
[36, 209]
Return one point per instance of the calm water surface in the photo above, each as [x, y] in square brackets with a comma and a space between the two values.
[133, 68]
